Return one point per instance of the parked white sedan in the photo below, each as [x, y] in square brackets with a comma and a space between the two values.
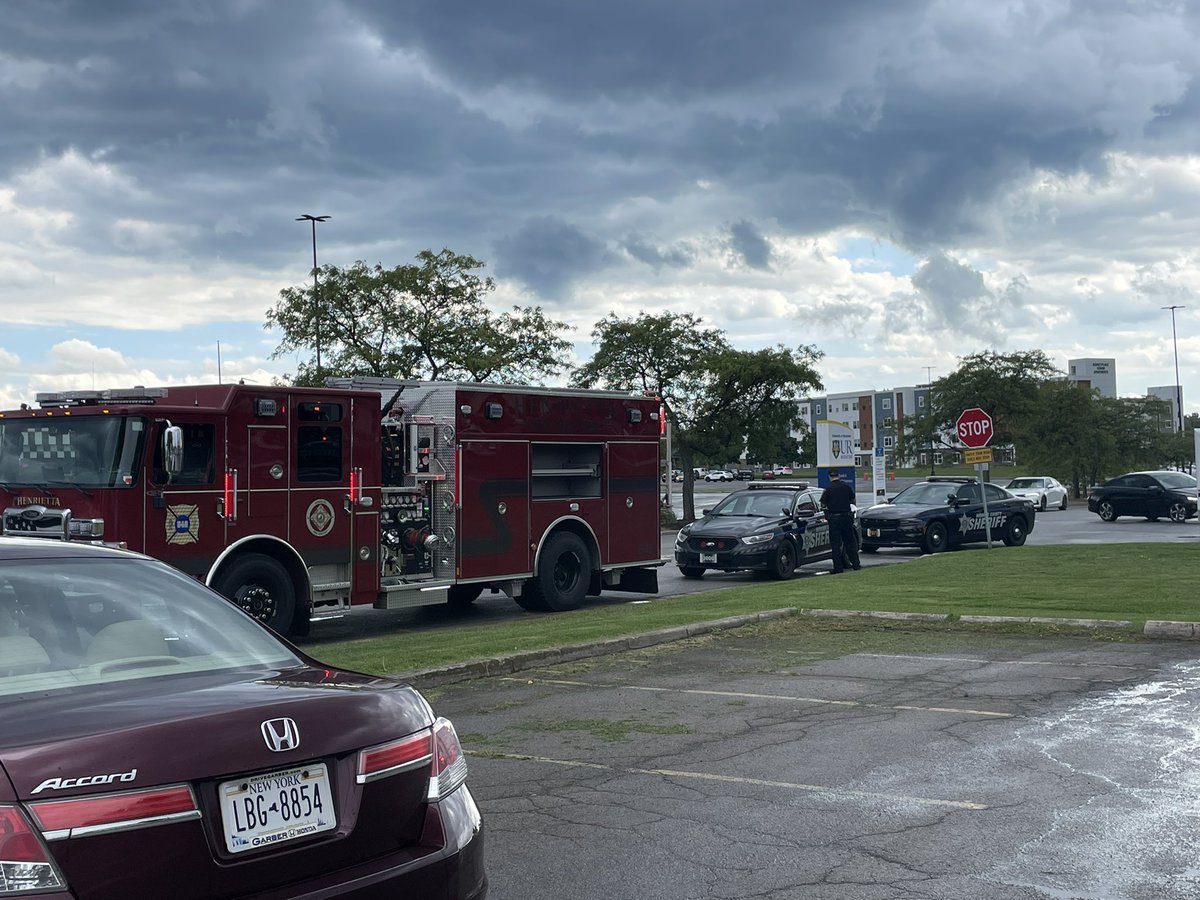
[1041, 489]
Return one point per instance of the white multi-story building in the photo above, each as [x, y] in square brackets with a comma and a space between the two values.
[1098, 374]
[875, 418]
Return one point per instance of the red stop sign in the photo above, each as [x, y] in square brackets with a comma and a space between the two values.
[974, 427]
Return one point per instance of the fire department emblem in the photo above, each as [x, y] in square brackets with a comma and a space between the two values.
[320, 517]
[183, 524]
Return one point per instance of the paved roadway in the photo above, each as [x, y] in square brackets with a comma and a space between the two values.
[784, 765]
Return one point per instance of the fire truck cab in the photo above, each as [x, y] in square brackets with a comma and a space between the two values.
[295, 502]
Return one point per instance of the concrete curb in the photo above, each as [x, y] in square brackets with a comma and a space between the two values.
[532, 659]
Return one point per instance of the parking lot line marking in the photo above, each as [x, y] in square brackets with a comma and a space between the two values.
[1004, 662]
[741, 695]
[739, 779]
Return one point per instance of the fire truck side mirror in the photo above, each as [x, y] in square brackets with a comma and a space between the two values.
[172, 445]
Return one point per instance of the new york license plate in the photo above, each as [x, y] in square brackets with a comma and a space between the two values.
[260, 810]
[872, 532]
[708, 557]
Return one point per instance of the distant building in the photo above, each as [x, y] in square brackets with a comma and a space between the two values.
[1098, 374]
[1171, 394]
[876, 418]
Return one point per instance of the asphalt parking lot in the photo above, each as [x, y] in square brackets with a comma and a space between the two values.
[783, 763]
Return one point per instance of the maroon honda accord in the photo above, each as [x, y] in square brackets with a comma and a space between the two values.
[155, 741]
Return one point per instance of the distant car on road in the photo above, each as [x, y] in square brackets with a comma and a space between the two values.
[720, 475]
[744, 474]
[1041, 489]
[769, 528]
[1149, 494]
[946, 511]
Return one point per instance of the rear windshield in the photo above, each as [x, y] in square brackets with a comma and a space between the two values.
[73, 622]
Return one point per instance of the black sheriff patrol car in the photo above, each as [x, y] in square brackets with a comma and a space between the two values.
[769, 527]
[946, 511]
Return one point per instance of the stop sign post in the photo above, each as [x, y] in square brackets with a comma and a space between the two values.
[974, 427]
[974, 430]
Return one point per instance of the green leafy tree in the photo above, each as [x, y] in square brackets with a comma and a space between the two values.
[1005, 385]
[712, 392]
[427, 320]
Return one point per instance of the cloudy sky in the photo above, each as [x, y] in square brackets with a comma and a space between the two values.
[899, 182]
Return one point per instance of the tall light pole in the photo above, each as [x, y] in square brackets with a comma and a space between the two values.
[1178, 386]
[929, 412]
[316, 298]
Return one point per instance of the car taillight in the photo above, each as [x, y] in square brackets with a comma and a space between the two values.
[449, 767]
[126, 811]
[25, 864]
[436, 747]
[394, 757]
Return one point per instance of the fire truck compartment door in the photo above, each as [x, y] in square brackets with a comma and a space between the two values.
[493, 516]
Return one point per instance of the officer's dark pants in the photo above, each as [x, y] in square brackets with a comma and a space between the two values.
[841, 536]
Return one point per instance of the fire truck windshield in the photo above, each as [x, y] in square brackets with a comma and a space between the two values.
[89, 451]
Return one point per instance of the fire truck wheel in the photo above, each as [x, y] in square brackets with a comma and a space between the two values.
[564, 570]
[261, 586]
[460, 596]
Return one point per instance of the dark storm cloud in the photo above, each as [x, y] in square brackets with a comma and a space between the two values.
[749, 246]
[548, 254]
[952, 296]
[675, 257]
[424, 124]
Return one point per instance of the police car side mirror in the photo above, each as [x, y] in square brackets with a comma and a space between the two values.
[959, 501]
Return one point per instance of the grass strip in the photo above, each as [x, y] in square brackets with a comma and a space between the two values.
[1094, 581]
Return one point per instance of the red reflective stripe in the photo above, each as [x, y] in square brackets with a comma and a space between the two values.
[228, 493]
[81, 812]
[354, 485]
[397, 753]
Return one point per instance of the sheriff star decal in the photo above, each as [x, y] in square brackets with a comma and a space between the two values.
[183, 524]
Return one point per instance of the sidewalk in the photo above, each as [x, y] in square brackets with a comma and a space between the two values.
[517, 662]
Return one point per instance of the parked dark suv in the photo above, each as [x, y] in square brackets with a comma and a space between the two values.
[1149, 494]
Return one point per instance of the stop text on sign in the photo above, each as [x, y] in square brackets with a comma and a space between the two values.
[974, 428]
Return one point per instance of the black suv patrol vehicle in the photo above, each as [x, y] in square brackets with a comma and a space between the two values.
[946, 511]
[770, 527]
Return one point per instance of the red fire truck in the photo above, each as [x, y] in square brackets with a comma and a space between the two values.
[295, 502]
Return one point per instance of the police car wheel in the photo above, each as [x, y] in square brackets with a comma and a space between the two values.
[1015, 536]
[691, 571]
[785, 561]
[935, 538]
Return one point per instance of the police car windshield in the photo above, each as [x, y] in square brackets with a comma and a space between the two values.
[753, 503]
[929, 494]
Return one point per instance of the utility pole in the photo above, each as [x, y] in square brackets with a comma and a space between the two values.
[316, 297]
[1178, 386]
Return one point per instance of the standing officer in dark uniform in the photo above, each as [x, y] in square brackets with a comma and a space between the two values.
[837, 499]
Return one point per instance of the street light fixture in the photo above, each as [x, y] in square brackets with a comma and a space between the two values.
[929, 412]
[1178, 386]
[316, 300]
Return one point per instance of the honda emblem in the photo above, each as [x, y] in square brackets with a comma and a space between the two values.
[281, 734]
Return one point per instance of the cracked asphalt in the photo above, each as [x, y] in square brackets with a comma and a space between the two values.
[799, 761]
